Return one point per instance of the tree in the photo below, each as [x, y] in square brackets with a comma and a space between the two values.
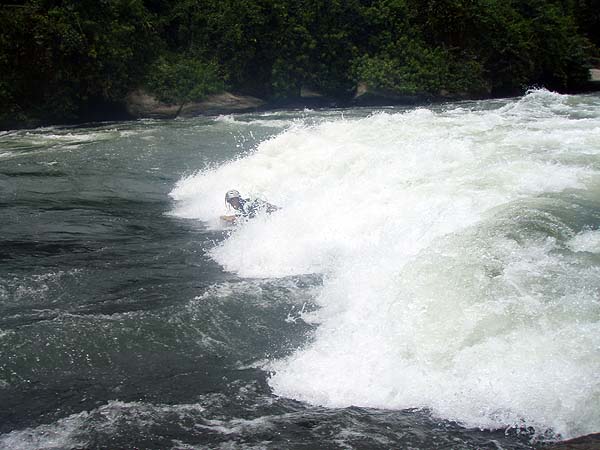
[178, 80]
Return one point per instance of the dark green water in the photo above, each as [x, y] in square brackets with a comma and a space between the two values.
[119, 330]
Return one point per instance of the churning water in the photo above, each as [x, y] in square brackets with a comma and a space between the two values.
[432, 280]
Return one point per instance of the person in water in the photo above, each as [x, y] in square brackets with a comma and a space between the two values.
[244, 207]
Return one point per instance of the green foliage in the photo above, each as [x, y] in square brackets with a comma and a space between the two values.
[429, 73]
[561, 53]
[411, 68]
[63, 58]
[60, 60]
[317, 43]
[180, 80]
[586, 14]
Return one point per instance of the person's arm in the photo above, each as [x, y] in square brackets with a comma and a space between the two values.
[229, 219]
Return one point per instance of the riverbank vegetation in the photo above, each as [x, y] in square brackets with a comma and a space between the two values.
[73, 60]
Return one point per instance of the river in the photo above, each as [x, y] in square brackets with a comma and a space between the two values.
[432, 279]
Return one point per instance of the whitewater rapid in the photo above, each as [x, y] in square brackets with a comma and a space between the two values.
[460, 250]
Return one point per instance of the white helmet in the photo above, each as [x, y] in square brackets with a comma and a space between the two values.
[232, 194]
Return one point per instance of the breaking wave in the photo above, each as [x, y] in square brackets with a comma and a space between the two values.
[459, 249]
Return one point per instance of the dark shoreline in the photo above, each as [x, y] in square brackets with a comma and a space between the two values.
[117, 112]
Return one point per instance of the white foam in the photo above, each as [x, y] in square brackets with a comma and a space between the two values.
[7, 154]
[586, 241]
[67, 138]
[426, 301]
[227, 118]
[283, 290]
[46, 437]
[251, 121]
[73, 431]
[238, 426]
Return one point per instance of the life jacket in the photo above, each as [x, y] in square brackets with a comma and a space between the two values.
[250, 208]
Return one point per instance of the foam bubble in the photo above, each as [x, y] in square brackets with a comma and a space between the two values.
[75, 430]
[443, 289]
[46, 437]
[586, 241]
